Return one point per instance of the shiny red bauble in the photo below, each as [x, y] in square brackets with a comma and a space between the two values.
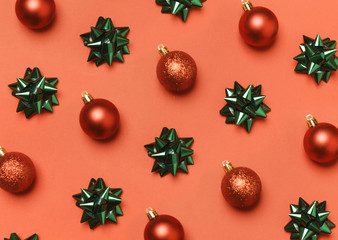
[17, 172]
[35, 14]
[176, 70]
[258, 26]
[321, 141]
[241, 186]
[163, 227]
[99, 118]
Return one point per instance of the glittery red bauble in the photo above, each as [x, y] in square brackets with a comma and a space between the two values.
[164, 227]
[35, 14]
[177, 71]
[241, 187]
[17, 172]
[258, 27]
[99, 119]
[321, 143]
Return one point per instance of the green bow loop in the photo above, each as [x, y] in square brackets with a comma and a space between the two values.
[100, 203]
[317, 58]
[244, 105]
[35, 92]
[308, 221]
[171, 153]
[179, 7]
[14, 236]
[106, 42]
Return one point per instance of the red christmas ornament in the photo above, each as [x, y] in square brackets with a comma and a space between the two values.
[17, 172]
[99, 118]
[162, 227]
[176, 70]
[258, 26]
[35, 14]
[241, 186]
[321, 141]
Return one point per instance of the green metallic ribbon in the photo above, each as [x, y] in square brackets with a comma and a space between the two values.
[317, 58]
[180, 7]
[14, 236]
[244, 105]
[99, 202]
[36, 92]
[107, 43]
[170, 153]
[308, 221]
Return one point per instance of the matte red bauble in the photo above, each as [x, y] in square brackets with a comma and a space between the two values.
[258, 26]
[99, 118]
[35, 14]
[176, 70]
[241, 186]
[162, 227]
[17, 172]
[321, 141]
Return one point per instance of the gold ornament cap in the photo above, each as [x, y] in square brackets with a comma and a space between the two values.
[163, 50]
[86, 97]
[311, 121]
[2, 152]
[227, 166]
[247, 5]
[151, 213]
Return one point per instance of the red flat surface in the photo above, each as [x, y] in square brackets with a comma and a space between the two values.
[66, 159]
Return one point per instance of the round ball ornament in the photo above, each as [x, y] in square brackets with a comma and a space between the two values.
[162, 227]
[35, 14]
[321, 141]
[99, 118]
[17, 172]
[258, 26]
[241, 186]
[176, 70]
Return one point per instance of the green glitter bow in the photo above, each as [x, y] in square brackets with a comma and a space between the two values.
[14, 236]
[181, 7]
[36, 92]
[100, 203]
[308, 221]
[244, 105]
[317, 58]
[107, 43]
[170, 152]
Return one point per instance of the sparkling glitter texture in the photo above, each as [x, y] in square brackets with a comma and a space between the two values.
[177, 71]
[241, 187]
[17, 172]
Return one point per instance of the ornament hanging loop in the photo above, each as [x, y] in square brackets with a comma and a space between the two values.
[86, 97]
[227, 166]
[163, 50]
[151, 213]
[2, 151]
[311, 121]
[247, 5]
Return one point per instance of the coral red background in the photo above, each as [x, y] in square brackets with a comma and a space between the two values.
[66, 159]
